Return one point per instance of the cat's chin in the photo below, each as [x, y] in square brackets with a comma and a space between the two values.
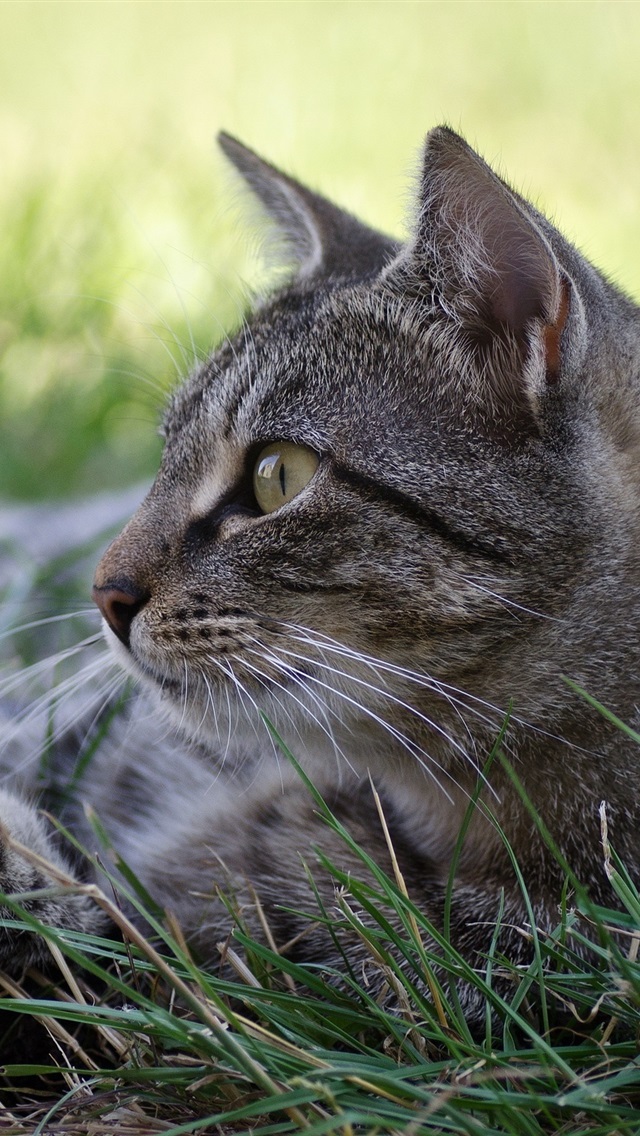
[163, 688]
[201, 717]
[231, 727]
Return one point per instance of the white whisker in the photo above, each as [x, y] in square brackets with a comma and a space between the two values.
[505, 600]
[459, 699]
[27, 674]
[241, 689]
[384, 693]
[407, 743]
[326, 729]
[51, 703]
[322, 641]
[48, 619]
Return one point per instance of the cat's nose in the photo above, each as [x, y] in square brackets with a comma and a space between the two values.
[119, 604]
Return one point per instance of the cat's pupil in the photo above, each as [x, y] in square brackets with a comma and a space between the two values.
[282, 470]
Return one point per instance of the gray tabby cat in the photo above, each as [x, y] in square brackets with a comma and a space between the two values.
[402, 500]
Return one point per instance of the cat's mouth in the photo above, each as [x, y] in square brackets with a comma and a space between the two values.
[239, 663]
[149, 674]
[231, 699]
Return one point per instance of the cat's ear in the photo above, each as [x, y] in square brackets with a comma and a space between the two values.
[479, 259]
[321, 239]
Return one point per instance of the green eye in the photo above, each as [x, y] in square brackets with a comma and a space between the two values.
[281, 472]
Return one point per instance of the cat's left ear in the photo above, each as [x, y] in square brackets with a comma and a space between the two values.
[488, 275]
[321, 239]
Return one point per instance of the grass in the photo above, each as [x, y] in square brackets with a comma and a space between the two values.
[144, 1037]
[120, 262]
[122, 255]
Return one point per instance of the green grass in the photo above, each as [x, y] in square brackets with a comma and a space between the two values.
[121, 243]
[167, 1047]
[122, 257]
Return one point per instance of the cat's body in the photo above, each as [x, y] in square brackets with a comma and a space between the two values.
[454, 528]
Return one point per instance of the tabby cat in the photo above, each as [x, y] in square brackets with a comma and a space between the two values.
[396, 509]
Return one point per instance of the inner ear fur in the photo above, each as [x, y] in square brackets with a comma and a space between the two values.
[477, 256]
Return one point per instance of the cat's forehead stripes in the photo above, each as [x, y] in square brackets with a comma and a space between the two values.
[265, 392]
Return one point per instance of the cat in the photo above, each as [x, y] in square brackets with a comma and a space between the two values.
[391, 514]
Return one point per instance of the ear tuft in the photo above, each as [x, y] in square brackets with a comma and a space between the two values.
[321, 239]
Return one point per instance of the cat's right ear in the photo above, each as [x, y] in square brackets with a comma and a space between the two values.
[321, 239]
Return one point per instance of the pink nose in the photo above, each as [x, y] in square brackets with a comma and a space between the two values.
[119, 605]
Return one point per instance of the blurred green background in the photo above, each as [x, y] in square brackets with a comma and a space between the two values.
[123, 250]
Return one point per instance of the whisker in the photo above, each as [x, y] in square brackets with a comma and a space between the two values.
[472, 580]
[131, 314]
[105, 696]
[384, 693]
[426, 681]
[158, 392]
[454, 695]
[62, 689]
[264, 681]
[46, 707]
[407, 743]
[27, 674]
[80, 613]
[240, 687]
[338, 752]
[187, 362]
[242, 690]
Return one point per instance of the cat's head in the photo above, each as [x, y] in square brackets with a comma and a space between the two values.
[380, 502]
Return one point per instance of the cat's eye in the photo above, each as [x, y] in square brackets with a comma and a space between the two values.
[281, 472]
